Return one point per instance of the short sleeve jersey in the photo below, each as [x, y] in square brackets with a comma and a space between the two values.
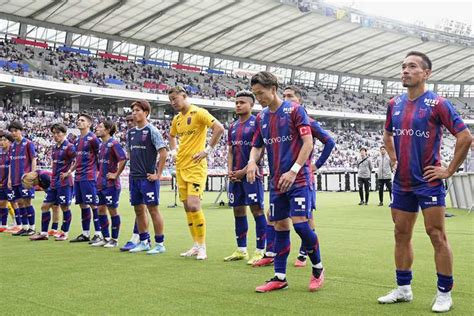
[21, 159]
[87, 153]
[110, 154]
[417, 128]
[191, 130]
[63, 156]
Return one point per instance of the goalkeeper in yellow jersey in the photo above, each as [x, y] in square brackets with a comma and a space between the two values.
[190, 127]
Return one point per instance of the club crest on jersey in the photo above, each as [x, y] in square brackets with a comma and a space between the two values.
[110, 145]
[422, 113]
[88, 137]
[246, 130]
[252, 123]
[431, 102]
[189, 121]
[396, 113]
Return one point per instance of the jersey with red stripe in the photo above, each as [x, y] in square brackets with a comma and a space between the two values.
[4, 167]
[240, 140]
[110, 154]
[87, 152]
[417, 127]
[63, 157]
[21, 159]
[280, 132]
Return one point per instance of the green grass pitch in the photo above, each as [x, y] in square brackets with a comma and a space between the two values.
[59, 278]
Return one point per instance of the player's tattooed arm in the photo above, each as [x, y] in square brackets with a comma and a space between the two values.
[252, 168]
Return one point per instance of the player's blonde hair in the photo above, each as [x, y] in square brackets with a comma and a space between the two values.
[29, 180]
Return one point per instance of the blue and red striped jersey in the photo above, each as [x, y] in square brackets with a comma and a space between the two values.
[21, 159]
[320, 134]
[417, 128]
[87, 153]
[239, 138]
[280, 132]
[63, 157]
[4, 167]
[110, 154]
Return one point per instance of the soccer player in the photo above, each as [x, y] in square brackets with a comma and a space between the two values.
[241, 193]
[60, 188]
[364, 170]
[111, 164]
[292, 93]
[22, 160]
[85, 165]
[145, 144]
[283, 128]
[413, 132]
[135, 239]
[384, 174]
[6, 195]
[190, 126]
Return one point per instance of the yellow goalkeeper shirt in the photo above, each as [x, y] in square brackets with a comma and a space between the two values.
[191, 130]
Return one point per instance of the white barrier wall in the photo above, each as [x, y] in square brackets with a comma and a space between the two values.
[461, 190]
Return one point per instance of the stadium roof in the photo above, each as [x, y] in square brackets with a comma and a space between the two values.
[260, 31]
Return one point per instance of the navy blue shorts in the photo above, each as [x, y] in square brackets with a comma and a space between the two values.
[143, 191]
[109, 196]
[59, 196]
[244, 193]
[85, 192]
[411, 201]
[6, 195]
[295, 202]
[21, 193]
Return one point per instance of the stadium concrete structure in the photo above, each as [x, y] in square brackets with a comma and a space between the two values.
[323, 46]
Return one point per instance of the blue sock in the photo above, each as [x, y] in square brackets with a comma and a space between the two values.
[115, 226]
[270, 238]
[144, 236]
[31, 215]
[104, 225]
[45, 219]
[260, 226]
[403, 277]
[18, 216]
[282, 249]
[95, 216]
[241, 229]
[310, 241]
[54, 226]
[67, 216]
[135, 228]
[445, 283]
[4, 216]
[86, 219]
[159, 238]
[302, 251]
[24, 215]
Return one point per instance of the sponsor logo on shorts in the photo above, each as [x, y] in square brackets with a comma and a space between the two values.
[196, 187]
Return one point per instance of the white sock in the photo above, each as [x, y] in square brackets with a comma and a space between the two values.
[135, 238]
[243, 249]
[318, 266]
[44, 233]
[280, 276]
[86, 233]
[25, 227]
[270, 254]
[99, 234]
[260, 251]
[405, 288]
[32, 227]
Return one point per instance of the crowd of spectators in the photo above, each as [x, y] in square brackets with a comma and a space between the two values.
[343, 158]
[51, 64]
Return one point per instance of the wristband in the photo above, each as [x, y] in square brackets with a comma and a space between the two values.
[296, 168]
